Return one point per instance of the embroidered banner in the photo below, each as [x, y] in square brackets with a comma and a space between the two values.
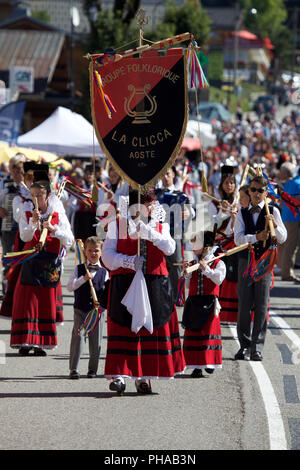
[149, 94]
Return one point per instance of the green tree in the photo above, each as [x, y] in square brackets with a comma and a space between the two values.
[113, 27]
[189, 17]
[269, 21]
[41, 15]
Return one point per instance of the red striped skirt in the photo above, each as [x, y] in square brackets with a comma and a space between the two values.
[229, 302]
[7, 303]
[34, 317]
[203, 349]
[144, 355]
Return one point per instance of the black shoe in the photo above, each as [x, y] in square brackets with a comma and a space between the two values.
[143, 388]
[91, 374]
[256, 356]
[24, 351]
[242, 354]
[196, 374]
[117, 386]
[74, 375]
[39, 352]
[209, 371]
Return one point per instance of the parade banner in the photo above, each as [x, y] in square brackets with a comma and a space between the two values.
[11, 116]
[139, 109]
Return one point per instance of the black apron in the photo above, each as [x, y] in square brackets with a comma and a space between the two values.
[44, 270]
[160, 296]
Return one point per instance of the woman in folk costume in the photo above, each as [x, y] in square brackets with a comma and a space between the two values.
[34, 308]
[22, 204]
[154, 349]
[202, 345]
[224, 216]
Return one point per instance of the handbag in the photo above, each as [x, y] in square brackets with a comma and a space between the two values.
[44, 270]
[197, 310]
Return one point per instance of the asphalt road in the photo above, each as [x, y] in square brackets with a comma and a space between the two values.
[234, 409]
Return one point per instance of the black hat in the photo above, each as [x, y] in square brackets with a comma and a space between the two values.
[29, 166]
[89, 168]
[41, 172]
[210, 236]
[227, 170]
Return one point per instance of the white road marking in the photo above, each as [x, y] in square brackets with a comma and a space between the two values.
[275, 423]
[293, 337]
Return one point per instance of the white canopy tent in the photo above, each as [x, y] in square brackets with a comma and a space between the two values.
[64, 133]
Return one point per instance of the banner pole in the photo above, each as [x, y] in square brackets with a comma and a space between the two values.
[139, 214]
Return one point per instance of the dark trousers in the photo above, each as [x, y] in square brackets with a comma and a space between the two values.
[256, 295]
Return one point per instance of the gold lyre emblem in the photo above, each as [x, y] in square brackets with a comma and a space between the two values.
[141, 114]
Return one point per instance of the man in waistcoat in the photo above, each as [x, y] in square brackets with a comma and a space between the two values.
[250, 227]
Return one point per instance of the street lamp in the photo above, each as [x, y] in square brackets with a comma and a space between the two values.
[75, 21]
[238, 25]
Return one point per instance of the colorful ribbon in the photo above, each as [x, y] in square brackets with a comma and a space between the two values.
[195, 67]
[108, 106]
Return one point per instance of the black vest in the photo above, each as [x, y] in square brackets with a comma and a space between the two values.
[252, 229]
[82, 295]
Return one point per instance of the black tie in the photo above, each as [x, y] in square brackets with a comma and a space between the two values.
[253, 210]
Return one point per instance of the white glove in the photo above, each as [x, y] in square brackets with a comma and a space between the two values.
[144, 230]
[132, 262]
[147, 232]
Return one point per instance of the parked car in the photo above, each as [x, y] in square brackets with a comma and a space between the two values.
[264, 104]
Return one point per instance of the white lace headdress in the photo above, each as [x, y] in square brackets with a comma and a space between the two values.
[158, 213]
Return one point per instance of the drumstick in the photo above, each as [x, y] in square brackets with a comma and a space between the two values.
[194, 267]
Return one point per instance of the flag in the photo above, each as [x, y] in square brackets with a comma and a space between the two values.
[11, 116]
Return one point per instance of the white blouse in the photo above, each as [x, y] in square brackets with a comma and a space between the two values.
[63, 230]
[216, 275]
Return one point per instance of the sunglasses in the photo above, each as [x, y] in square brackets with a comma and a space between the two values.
[258, 190]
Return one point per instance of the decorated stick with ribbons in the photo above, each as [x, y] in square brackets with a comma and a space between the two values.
[268, 222]
[197, 72]
[196, 266]
[61, 188]
[94, 315]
